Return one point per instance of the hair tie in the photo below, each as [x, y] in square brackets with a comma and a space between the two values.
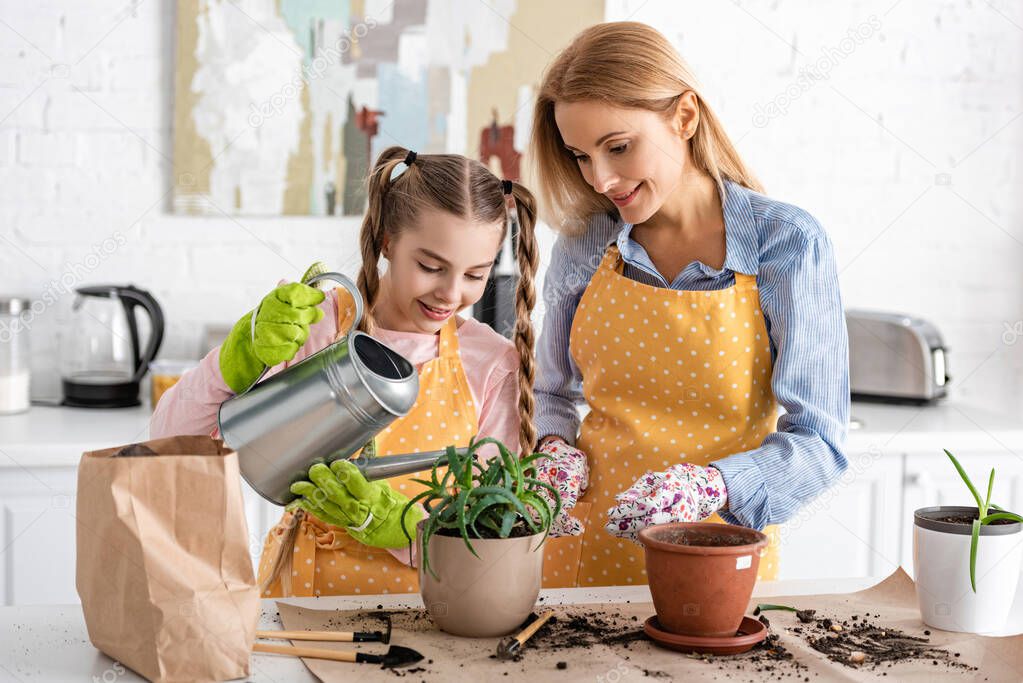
[511, 208]
[398, 169]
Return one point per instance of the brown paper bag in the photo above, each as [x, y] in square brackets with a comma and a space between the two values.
[164, 571]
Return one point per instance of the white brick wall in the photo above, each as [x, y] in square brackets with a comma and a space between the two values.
[930, 97]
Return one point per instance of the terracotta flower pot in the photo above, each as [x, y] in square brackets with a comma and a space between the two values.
[486, 596]
[701, 575]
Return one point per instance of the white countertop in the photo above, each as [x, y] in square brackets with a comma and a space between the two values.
[57, 436]
[947, 424]
[45, 436]
[50, 644]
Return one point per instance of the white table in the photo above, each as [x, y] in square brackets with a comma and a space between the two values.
[49, 643]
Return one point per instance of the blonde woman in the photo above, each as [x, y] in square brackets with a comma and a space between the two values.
[682, 306]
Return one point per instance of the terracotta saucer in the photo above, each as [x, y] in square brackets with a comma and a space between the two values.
[750, 633]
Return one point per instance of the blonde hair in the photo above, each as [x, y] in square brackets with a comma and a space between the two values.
[461, 187]
[630, 65]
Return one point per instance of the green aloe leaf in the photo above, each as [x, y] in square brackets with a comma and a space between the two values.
[995, 516]
[974, 540]
[765, 606]
[474, 495]
[969, 484]
[990, 485]
[508, 520]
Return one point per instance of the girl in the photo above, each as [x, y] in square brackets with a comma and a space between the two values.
[682, 306]
[439, 221]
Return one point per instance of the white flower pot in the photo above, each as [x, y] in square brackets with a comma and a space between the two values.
[941, 561]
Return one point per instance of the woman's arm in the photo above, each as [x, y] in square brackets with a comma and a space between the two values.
[802, 305]
[558, 386]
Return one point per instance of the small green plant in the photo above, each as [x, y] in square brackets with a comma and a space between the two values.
[483, 500]
[983, 505]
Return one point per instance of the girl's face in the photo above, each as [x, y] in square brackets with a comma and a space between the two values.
[634, 157]
[436, 268]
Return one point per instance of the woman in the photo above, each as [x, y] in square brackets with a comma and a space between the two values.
[682, 306]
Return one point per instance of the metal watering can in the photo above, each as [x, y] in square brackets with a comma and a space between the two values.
[324, 408]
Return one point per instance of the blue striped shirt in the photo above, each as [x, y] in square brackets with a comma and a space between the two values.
[792, 258]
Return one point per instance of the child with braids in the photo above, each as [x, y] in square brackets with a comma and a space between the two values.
[439, 221]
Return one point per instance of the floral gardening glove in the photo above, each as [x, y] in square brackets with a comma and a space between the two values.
[683, 493]
[567, 470]
[370, 511]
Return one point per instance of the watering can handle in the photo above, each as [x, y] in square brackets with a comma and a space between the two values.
[347, 283]
[342, 280]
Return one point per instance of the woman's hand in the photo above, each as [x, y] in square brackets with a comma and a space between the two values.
[567, 470]
[683, 493]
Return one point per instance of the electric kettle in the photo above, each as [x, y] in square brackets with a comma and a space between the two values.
[102, 359]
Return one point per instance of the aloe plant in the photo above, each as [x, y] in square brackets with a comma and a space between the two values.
[983, 505]
[497, 496]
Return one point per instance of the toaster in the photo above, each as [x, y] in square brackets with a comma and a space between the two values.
[895, 358]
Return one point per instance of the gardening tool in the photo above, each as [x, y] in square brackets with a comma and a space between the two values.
[508, 647]
[394, 657]
[332, 636]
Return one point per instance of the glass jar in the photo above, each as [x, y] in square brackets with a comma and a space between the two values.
[165, 374]
[14, 361]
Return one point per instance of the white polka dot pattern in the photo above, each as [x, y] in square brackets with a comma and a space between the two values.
[698, 391]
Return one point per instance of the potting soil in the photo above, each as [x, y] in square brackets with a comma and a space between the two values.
[885, 641]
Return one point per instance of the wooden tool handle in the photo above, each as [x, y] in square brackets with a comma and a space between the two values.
[328, 636]
[314, 652]
[528, 632]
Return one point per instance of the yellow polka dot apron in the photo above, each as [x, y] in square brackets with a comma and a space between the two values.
[670, 376]
[325, 559]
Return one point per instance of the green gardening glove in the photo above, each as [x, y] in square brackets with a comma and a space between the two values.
[369, 510]
[282, 326]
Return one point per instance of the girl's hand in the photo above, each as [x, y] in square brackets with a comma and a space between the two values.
[282, 327]
[371, 511]
[683, 493]
[567, 470]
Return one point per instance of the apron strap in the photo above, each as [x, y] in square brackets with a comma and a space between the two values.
[344, 312]
[447, 345]
[612, 259]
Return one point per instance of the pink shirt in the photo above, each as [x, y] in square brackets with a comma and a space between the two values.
[490, 362]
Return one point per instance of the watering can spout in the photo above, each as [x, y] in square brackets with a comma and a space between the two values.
[400, 465]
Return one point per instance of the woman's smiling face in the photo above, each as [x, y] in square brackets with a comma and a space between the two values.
[634, 157]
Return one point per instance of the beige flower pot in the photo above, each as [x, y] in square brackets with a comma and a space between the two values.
[486, 596]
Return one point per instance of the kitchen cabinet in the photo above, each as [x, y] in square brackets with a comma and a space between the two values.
[850, 530]
[37, 536]
[260, 515]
